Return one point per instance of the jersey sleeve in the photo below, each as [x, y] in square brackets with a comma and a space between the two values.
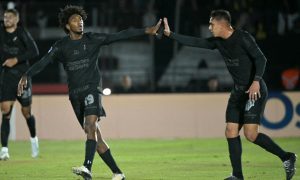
[256, 54]
[122, 35]
[52, 54]
[30, 45]
[207, 43]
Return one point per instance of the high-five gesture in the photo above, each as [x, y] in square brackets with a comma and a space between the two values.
[167, 30]
[153, 29]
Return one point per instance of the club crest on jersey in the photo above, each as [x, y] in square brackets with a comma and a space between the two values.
[15, 38]
[249, 104]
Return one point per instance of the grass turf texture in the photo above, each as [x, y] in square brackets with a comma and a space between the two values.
[182, 159]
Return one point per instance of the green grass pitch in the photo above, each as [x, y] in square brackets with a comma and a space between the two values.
[171, 159]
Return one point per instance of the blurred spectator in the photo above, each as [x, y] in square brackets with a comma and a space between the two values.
[261, 33]
[149, 17]
[213, 84]
[126, 85]
[287, 15]
[290, 78]
[11, 5]
[41, 19]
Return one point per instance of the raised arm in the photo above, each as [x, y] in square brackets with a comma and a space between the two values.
[129, 33]
[188, 40]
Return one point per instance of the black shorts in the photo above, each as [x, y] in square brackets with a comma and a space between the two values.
[241, 110]
[86, 101]
[9, 88]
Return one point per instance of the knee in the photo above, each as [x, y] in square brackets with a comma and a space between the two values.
[231, 132]
[6, 111]
[26, 113]
[251, 135]
[89, 127]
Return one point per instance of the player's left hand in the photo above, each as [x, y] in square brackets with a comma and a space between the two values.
[253, 91]
[153, 29]
[10, 62]
[22, 84]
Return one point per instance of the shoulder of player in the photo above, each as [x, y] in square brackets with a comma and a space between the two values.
[22, 29]
[246, 38]
[61, 41]
[57, 45]
[243, 33]
[243, 36]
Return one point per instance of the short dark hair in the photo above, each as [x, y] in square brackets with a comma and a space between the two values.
[13, 11]
[67, 12]
[221, 14]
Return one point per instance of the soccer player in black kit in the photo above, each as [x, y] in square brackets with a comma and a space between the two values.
[17, 47]
[78, 52]
[246, 64]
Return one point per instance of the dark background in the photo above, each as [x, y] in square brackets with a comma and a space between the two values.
[274, 23]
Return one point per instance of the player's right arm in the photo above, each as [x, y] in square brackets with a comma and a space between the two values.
[106, 39]
[36, 68]
[188, 40]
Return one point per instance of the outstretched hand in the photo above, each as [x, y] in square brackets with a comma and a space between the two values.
[153, 29]
[167, 30]
[22, 84]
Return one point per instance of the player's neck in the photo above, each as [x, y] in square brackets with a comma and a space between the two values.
[75, 36]
[11, 29]
[228, 32]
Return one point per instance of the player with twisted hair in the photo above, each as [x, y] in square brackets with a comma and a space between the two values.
[78, 52]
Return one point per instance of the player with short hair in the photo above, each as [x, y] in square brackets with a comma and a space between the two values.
[78, 52]
[246, 64]
[17, 47]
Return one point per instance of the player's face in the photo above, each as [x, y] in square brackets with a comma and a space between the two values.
[75, 24]
[215, 27]
[10, 20]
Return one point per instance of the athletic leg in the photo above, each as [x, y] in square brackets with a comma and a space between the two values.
[264, 141]
[6, 108]
[105, 153]
[235, 149]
